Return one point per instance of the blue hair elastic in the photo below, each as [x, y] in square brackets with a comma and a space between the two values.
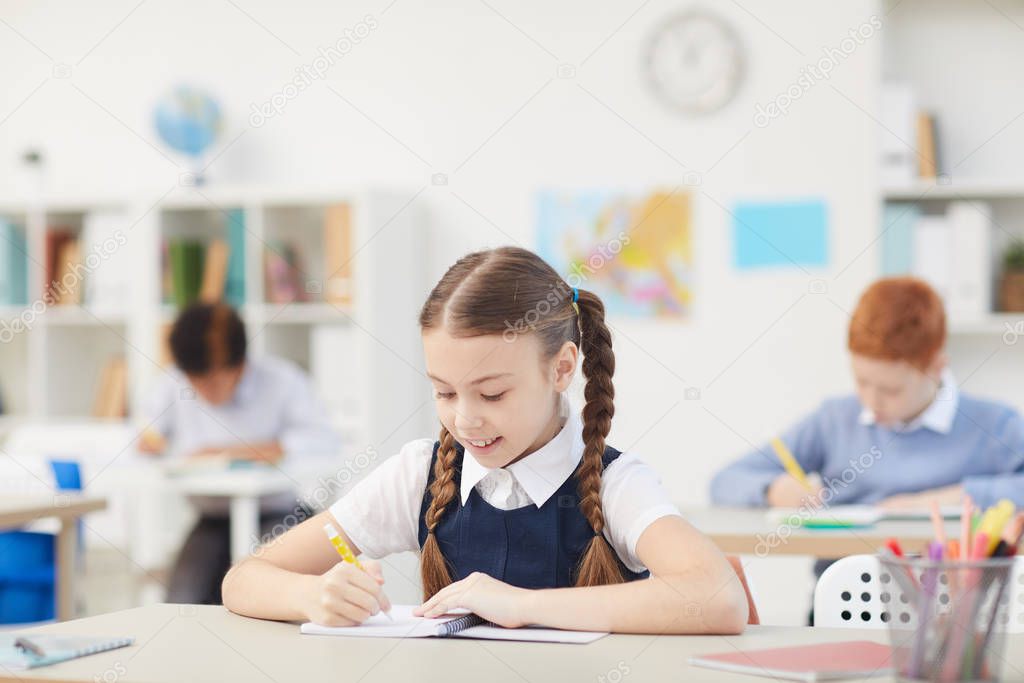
[575, 295]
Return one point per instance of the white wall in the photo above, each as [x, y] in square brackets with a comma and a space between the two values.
[474, 96]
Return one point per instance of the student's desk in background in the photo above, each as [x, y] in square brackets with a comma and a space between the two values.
[17, 511]
[748, 531]
[207, 643]
[243, 488]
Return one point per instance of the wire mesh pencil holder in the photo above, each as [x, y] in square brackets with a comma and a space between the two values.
[950, 625]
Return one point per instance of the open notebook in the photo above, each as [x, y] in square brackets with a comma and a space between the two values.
[825, 662]
[852, 515]
[55, 649]
[405, 625]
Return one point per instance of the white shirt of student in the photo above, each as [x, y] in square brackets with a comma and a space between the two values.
[381, 513]
[273, 401]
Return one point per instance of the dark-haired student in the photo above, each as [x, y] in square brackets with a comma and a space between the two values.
[219, 401]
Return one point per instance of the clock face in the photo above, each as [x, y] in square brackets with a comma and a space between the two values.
[695, 62]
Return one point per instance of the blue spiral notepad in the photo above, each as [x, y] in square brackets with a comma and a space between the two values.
[56, 649]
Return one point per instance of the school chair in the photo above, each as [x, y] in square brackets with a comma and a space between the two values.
[752, 616]
[857, 592]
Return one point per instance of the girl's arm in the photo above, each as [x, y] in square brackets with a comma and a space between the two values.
[298, 576]
[692, 589]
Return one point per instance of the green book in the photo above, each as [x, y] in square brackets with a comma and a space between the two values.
[186, 258]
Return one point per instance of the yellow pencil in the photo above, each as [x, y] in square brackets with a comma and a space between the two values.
[346, 553]
[790, 463]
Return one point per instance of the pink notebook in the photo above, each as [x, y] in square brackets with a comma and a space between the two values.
[825, 662]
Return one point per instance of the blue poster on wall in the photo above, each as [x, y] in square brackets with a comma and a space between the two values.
[788, 234]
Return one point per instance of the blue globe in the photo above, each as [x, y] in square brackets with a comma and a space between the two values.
[188, 120]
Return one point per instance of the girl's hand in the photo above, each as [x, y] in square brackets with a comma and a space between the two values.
[482, 595]
[345, 595]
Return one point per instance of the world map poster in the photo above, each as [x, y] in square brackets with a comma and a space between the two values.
[635, 251]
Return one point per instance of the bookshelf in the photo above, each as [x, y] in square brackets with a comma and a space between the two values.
[978, 173]
[350, 321]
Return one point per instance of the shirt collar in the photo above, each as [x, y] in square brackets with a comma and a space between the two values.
[938, 416]
[542, 472]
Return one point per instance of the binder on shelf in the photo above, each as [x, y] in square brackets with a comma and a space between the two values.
[970, 290]
[338, 255]
[898, 221]
[933, 258]
[13, 265]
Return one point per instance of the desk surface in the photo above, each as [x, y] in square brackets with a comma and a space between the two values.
[249, 481]
[197, 644]
[749, 531]
[17, 510]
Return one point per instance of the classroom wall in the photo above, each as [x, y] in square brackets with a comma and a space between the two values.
[482, 102]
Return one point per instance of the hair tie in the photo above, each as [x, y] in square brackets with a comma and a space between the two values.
[575, 295]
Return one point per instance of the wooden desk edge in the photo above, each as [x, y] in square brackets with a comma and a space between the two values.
[75, 508]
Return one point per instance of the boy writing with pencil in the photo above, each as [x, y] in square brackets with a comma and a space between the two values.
[907, 438]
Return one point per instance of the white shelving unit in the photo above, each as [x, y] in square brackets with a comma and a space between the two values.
[945, 84]
[963, 86]
[922, 190]
[375, 384]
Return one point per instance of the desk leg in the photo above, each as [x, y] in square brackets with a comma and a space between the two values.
[67, 543]
[245, 525]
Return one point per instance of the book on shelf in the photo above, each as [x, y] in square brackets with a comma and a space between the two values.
[215, 270]
[112, 390]
[338, 254]
[952, 251]
[932, 259]
[69, 274]
[927, 146]
[234, 285]
[63, 285]
[186, 261]
[283, 274]
[13, 264]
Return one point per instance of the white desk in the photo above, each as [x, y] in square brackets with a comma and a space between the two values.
[16, 511]
[748, 531]
[199, 644]
[243, 488]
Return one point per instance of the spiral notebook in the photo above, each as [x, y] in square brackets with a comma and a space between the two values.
[53, 648]
[404, 625]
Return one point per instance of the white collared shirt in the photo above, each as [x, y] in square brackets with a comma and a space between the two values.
[273, 401]
[938, 416]
[381, 513]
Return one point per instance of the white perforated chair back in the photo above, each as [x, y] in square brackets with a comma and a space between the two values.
[857, 592]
